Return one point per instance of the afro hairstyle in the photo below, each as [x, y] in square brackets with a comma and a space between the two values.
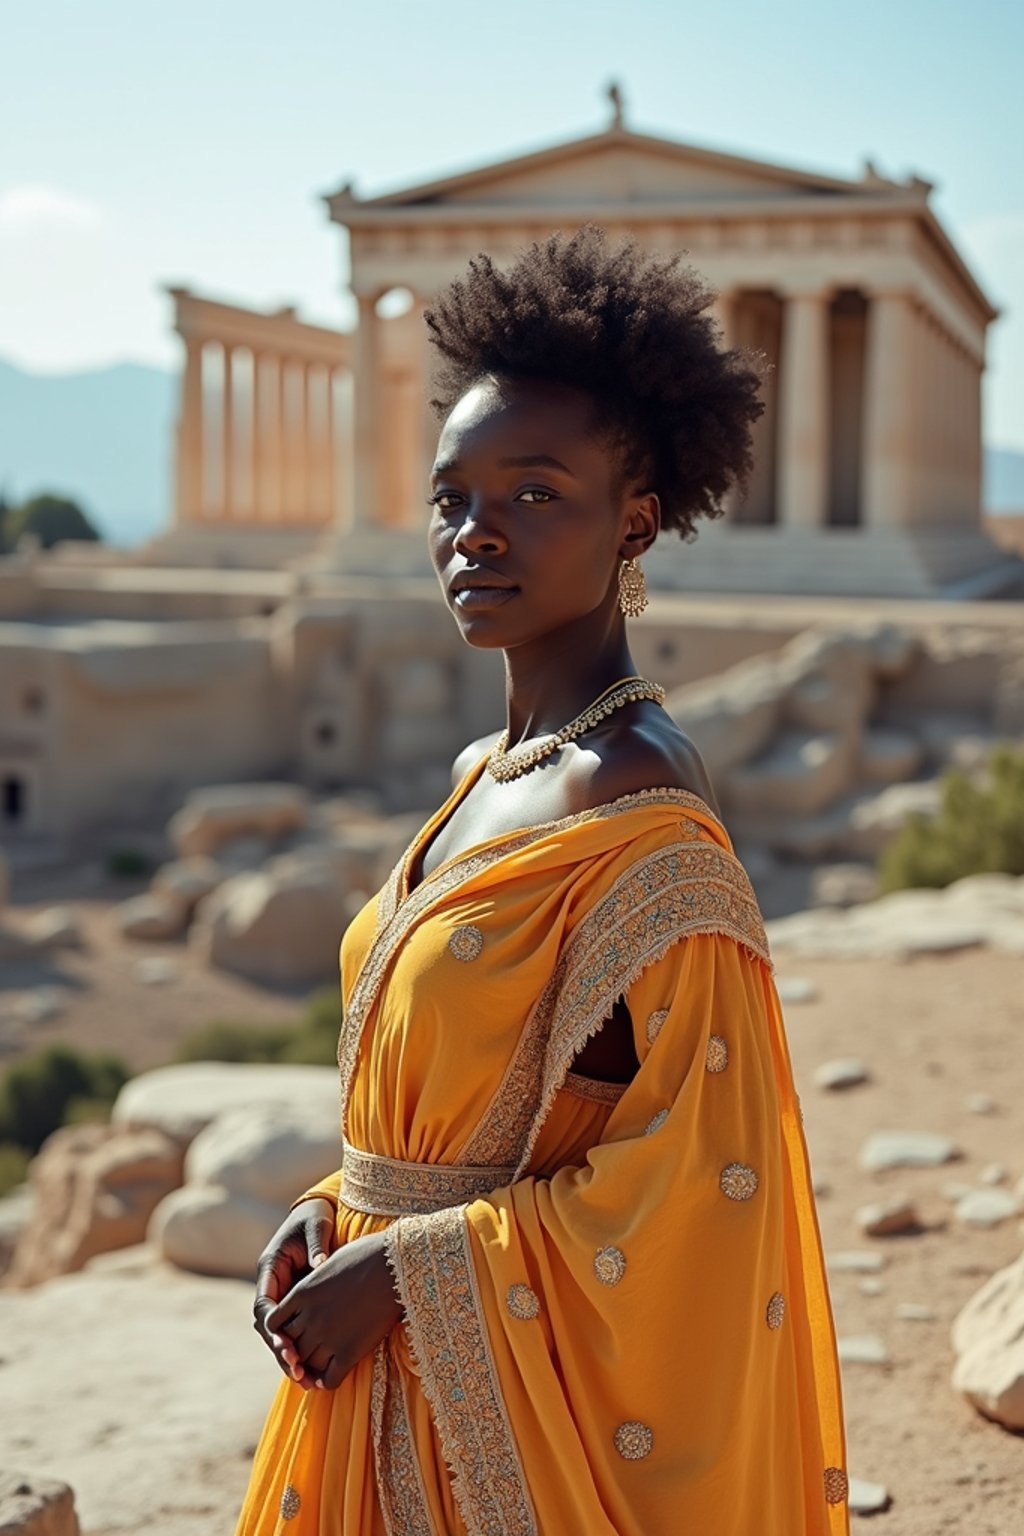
[632, 330]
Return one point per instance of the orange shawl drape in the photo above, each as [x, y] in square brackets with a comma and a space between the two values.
[617, 1321]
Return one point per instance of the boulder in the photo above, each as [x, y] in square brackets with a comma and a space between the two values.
[843, 885]
[181, 1099]
[894, 1217]
[267, 1153]
[988, 1339]
[95, 1188]
[215, 815]
[280, 926]
[152, 917]
[16, 1210]
[863, 1349]
[210, 1231]
[54, 928]
[187, 881]
[830, 682]
[866, 1498]
[906, 1149]
[799, 775]
[36, 1506]
[876, 819]
[841, 1073]
[732, 717]
[986, 1207]
[888, 755]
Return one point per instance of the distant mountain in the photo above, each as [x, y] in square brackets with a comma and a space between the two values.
[102, 437]
[105, 439]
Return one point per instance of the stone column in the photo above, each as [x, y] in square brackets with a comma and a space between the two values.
[724, 314]
[366, 434]
[227, 436]
[888, 477]
[804, 411]
[190, 436]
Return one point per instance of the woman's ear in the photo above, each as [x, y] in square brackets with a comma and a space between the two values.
[643, 525]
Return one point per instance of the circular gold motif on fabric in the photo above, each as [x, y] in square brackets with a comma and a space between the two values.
[609, 1265]
[466, 943]
[836, 1485]
[717, 1058]
[654, 1024]
[290, 1502]
[738, 1181]
[634, 1440]
[656, 1122]
[776, 1310]
[522, 1302]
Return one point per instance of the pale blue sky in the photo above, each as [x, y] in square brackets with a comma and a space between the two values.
[143, 143]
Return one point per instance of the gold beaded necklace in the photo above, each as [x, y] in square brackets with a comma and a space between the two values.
[504, 765]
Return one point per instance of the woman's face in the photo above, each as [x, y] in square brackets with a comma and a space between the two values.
[528, 517]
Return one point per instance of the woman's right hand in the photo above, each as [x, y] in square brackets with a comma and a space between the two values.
[301, 1243]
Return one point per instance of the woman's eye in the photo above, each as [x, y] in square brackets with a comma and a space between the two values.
[535, 496]
[444, 501]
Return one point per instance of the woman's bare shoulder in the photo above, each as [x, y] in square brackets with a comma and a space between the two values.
[471, 755]
[650, 753]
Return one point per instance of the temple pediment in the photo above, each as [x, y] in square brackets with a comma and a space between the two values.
[617, 166]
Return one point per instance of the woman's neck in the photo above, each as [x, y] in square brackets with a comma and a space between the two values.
[548, 682]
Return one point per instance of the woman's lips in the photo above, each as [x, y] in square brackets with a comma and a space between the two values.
[477, 599]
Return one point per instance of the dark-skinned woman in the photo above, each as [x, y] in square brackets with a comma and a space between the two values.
[568, 1278]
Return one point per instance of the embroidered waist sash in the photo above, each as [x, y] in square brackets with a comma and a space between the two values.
[386, 1186]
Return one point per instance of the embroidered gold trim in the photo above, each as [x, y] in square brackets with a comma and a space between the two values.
[609, 1265]
[466, 943]
[680, 890]
[776, 1310]
[717, 1058]
[400, 909]
[291, 1502]
[434, 1275]
[738, 1181]
[654, 1024]
[387, 1186]
[634, 1440]
[836, 1485]
[582, 1087]
[400, 1491]
[522, 1302]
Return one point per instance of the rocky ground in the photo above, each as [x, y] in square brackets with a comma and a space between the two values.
[145, 1388]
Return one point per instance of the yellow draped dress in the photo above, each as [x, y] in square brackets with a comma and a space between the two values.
[616, 1314]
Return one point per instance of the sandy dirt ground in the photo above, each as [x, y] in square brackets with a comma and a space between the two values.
[933, 1031]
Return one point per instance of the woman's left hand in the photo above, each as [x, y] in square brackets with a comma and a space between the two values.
[340, 1312]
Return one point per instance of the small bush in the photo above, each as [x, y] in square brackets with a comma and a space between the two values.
[84, 1111]
[14, 1161]
[35, 1094]
[223, 1040]
[128, 863]
[979, 829]
[313, 1041]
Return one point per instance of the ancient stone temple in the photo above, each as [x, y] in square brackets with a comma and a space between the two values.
[295, 439]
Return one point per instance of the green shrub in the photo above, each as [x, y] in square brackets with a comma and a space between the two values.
[223, 1040]
[979, 829]
[14, 1161]
[312, 1041]
[85, 1111]
[35, 1094]
[51, 518]
[128, 863]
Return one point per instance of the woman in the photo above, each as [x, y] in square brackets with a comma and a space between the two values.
[568, 1280]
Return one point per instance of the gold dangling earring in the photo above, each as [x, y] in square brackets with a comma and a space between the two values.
[632, 589]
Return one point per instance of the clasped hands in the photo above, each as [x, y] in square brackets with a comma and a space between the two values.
[320, 1312]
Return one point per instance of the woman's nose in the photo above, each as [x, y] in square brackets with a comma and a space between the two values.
[479, 534]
